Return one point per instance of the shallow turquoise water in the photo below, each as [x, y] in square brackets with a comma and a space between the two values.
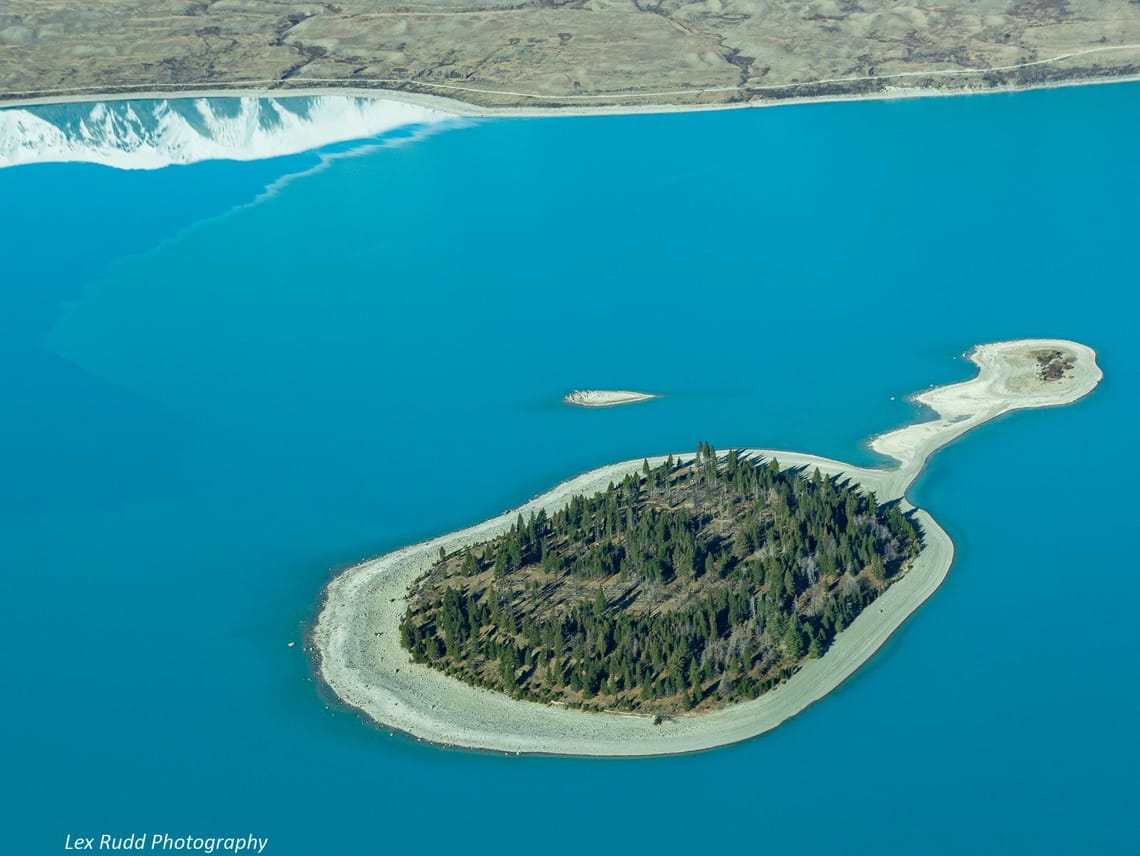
[210, 405]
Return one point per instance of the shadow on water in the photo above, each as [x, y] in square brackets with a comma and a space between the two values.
[86, 445]
[106, 445]
[53, 252]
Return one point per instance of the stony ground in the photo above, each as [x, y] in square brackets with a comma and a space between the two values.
[564, 53]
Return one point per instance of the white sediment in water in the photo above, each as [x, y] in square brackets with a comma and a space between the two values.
[605, 397]
[361, 659]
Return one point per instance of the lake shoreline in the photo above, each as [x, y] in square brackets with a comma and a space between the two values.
[467, 109]
[358, 655]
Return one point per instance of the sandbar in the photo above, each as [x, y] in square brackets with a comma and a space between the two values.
[359, 657]
[605, 397]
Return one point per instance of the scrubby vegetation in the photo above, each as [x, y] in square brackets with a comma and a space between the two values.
[687, 587]
[1053, 364]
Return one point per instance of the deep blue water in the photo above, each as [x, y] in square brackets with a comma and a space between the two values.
[211, 405]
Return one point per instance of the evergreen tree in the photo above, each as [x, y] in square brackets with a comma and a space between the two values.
[794, 643]
[878, 569]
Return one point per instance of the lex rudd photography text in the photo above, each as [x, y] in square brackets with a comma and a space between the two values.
[160, 841]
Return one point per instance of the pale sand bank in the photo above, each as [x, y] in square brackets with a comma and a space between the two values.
[454, 104]
[1006, 381]
[605, 397]
[360, 657]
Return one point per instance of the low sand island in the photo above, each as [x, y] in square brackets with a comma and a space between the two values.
[362, 657]
[605, 397]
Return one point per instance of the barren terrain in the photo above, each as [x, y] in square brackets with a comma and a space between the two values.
[557, 54]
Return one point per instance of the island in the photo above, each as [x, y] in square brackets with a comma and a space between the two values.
[509, 635]
[605, 397]
[533, 56]
[685, 587]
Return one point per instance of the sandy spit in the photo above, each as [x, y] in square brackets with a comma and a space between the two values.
[357, 639]
[605, 397]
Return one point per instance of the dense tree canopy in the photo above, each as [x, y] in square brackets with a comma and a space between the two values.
[688, 586]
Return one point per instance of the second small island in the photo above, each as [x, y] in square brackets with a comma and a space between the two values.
[606, 397]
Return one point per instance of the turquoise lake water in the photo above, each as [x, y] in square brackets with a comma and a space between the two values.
[210, 405]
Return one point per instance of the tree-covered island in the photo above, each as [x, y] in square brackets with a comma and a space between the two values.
[688, 587]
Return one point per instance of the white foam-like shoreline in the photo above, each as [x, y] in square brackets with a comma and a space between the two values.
[360, 657]
[146, 135]
[29, 134]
